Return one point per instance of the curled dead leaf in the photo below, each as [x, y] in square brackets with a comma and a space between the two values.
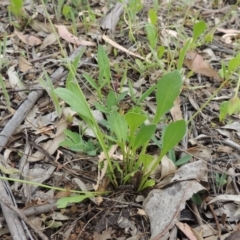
[66, 35]
[28, 39]
[197, 64]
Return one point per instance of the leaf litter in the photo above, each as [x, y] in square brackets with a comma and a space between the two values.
[207, 186]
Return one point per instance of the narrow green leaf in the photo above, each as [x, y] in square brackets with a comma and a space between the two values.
[74, 102]
[223, 110]
[147, 93]
[173, 134]
[111, 100]
[151, 35]
[160, 51]
[90, 80]
[146, 161]
[183, 160]
[183, 53]
[153, 16]
[168, 88]
[144, 135]
[148, 183]
[118, 125]
[134, 120]
[5, 93]
[234, 63]
[75, 137]
[198, 29]
[63, 202]
[233, 105]
[103, 63]
[73, 67]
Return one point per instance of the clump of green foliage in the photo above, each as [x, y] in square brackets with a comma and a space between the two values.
[131, 131]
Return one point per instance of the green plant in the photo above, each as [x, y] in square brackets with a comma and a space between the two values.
[130, 14]
[151, 28]
[16, 7]
[221, 179]
[129, 131]
[58, 5]
[48, 86]
[231, 106]
[191, 43]
[104, 77]
[75, 142]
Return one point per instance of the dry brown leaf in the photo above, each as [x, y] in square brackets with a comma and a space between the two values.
[167, 167]
[195, 170]
[24, 64]
[141, 212]
[49, 40]
[66, 35]
[197, 64]
[176, 110]
[28, 39]
[163, 206]
[41, 26]
[186, 230]
[201, 152]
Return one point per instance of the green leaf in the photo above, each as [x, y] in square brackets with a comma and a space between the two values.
[16, 7]
[183, 160]
[173, 134]
[118, 125]
[160, 51]
[147, 93]
[172, 155]
[53, 224]
[198, 29]
[66, 10]
[75, 137]
[48, 85]
[183, 53]
[90, 80]
[144, 135]
[134, 120]
[234, 63]
[168, 89]
[111, 100]
[74, 102]
[100, 107]
[63, 202]
[233, 105]
[73, 68]
[151, 35]
[148, 183]
[152, 15]
[5, 92]
[146, 161]
[103, 63]
[196, 198]
[223, 110]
